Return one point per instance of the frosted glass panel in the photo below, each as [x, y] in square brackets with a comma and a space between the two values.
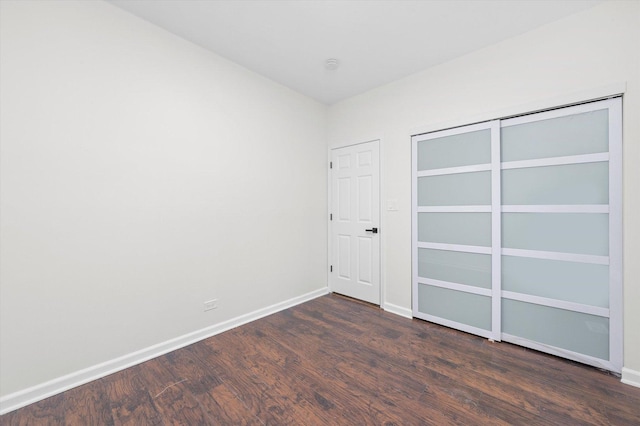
[456, 267]
[570, 184]
[466, 308]
[580, 233]
[570, 281]
[578, 332]
[584, 133]
[458, 150]
[455, 190]
[455, 228]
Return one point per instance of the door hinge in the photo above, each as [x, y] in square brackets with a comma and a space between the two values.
[330, 216]
[331, 268]
[331, 164]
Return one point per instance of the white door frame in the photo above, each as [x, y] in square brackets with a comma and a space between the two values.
[381, 211]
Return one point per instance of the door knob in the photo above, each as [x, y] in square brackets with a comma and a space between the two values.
[374, 230]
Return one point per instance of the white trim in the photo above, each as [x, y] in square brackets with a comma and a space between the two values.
[414, 226]
[630, 377]
[454, 170]
[455, 286]
[556, 161]
[554, 113]
[552, 255]
[616, 279]
[419, 137]
[329, 221]
[454, 209]
[398, 310]
[570, 208]
[496, 232]
[456, 325]
[41, 391]
[557, 303]
[345, 144]
[571, 98]
[383, 221]
[564, 353]
[454, 247]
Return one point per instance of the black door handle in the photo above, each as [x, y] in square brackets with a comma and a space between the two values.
[374, 230]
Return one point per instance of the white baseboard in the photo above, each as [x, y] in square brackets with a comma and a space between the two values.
[398, 310]
[44, 390]
[630, 377]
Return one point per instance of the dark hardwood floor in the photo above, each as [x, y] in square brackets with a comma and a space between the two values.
[335, 361]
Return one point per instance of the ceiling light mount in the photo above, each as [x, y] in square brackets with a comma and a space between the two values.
[332, 64]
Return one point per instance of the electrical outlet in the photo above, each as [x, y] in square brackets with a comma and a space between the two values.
[210, 304]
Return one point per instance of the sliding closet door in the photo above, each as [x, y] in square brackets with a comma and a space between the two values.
[561, 232]
[456, 231]
[517, 231]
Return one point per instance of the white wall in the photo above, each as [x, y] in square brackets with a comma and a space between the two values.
[600, 46]
[141, 176]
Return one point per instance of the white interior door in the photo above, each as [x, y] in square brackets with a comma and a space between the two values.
[355, 221]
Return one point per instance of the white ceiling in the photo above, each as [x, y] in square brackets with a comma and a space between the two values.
[376, 42]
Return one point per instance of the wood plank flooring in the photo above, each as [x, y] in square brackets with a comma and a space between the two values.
[336, 361]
